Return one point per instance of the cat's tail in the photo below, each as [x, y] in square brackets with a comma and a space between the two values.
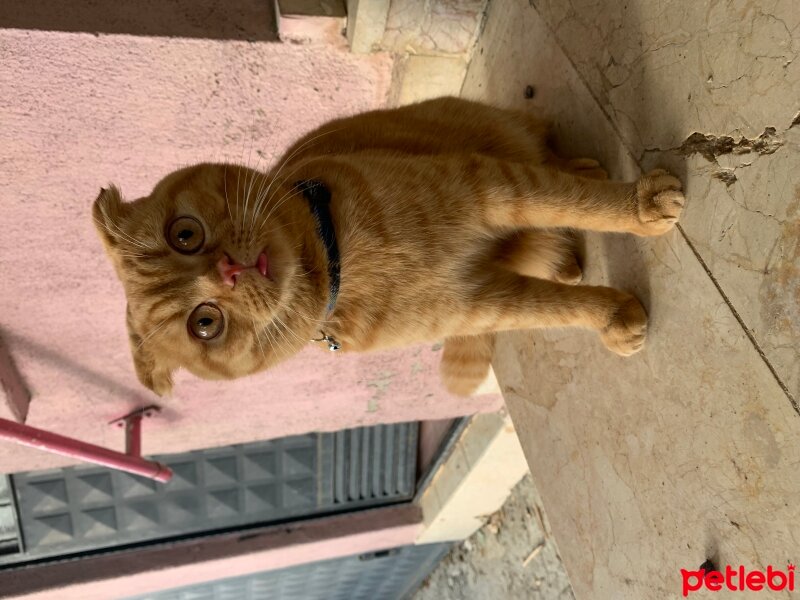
[465, 362]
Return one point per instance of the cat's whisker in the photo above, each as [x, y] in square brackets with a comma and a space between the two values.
[304, 273]
[253, 212]
[307, 318]
[265, 199]
[238, 191]
[156, 231]
[288, 330]
[240, 214]
[107, 227]
[288, 159]
[225, 188]
[118, 232]
[272, 342]
[275, 322]
[251, 176]
[256, 206]
[262, 195]
[270, 232]
[152, 333]
[292, 191]
[248, 188]
[258, 338]
[264, 178]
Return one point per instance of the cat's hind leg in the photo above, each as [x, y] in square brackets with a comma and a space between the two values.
[465, 362]
[582, 167]
[541, 130]
[543, 253]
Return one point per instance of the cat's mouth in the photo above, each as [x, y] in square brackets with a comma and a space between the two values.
[230, 270]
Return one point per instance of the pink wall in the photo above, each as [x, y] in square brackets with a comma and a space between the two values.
[78, 111]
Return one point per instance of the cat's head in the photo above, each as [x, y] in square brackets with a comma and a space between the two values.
[179, 253]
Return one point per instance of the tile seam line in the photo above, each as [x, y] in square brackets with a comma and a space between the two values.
[756, 346]
[741, 322]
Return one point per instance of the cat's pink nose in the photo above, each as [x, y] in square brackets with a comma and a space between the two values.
[229, 269]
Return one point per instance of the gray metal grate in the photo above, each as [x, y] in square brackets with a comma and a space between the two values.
[370, 462]
[389, 575]
[62, 511]
[9, 536]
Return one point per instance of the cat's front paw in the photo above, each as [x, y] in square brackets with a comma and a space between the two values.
[660, 202]
[627, 330]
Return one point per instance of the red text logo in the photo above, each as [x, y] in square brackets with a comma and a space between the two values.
[738, 579]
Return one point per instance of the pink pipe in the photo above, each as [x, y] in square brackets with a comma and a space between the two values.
[133, 435]
[59, 444]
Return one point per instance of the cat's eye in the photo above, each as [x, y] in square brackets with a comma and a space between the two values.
[186, 235]
[206, 322]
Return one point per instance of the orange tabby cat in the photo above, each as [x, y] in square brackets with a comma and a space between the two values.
[442, 220]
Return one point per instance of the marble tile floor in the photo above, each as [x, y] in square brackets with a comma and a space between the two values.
[689, 450]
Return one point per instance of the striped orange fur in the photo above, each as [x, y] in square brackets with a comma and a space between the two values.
[453, 220]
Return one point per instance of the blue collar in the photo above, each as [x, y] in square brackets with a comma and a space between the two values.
[319, 200]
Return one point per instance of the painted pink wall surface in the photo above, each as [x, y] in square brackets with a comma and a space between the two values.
[78, 111]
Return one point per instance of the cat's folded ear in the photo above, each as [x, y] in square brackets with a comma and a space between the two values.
[153, 374]
[108, 211]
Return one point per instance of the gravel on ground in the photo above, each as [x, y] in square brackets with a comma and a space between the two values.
[512, 556]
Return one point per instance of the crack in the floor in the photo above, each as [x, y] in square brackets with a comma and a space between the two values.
[726, 176]
[711, 146]
[725, 231]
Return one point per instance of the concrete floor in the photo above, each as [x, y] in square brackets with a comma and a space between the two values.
[688, 450]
